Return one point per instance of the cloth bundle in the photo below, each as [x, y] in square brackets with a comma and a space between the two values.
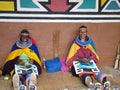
[53, 65]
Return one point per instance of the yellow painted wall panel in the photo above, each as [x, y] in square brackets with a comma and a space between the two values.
[6, 6]
[103, 2]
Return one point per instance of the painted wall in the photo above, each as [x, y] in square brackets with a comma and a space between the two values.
[60, 10]
[105, 36]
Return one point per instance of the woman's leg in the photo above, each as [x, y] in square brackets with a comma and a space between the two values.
[73, 72]
[31, 81]
[87, 80]
[15, 81]
[18, 82]
[102, 77]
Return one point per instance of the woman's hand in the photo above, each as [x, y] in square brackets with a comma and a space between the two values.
[83, 59]
[31, 61]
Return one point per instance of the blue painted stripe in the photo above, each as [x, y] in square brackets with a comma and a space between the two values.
[27, 4]
[88, 4]
[113, 6]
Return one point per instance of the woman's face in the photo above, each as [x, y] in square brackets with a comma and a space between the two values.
[24, 37]
[83, 33]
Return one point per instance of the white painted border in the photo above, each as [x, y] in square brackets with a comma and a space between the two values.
[59, 21]
[72, 18]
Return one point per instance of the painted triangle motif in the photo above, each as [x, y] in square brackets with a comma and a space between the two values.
[112, 5]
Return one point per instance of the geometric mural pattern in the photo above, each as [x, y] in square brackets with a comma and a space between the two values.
[60, 9]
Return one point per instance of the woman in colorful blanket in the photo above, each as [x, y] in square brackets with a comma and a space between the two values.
[23, 63]
[83, 50]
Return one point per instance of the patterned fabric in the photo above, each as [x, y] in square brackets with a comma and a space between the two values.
[13, 57]
[30, 50]
[81, 49]
[32, 46]
[25, 58]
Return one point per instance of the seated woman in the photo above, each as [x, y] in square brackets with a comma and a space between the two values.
[22, 52]
[83, 51]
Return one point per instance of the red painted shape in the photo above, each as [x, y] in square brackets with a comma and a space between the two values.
[58, 5]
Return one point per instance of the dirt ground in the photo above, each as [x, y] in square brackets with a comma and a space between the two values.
[63, 81]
